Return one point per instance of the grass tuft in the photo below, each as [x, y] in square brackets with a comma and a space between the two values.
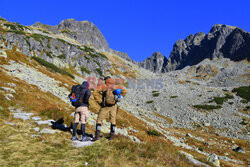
[153, 133]
[156, 94]
[207, 107]
[52, 66]
[62, 56]
[83, 69]
[173, 96]
[99, 71]
[221, 100]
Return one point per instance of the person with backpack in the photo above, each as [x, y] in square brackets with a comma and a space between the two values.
[79, 98]
[105, 96]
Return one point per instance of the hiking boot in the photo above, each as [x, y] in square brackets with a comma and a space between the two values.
[74, 138]
[84, 138]
[112, 132]
[112, 135]
[97, 136]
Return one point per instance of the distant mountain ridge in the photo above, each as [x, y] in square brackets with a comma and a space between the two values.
[222, 41]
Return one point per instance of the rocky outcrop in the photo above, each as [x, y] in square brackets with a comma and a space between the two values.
[84, 32]
[121, 54]
[57, 49]
[155, 63]
[222, 41]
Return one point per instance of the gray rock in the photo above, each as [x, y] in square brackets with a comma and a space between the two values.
[36, 118]
[42, 122]
[193, 160]
[206, 124]
[23, 115]
[9, 96]
[189, 135]
[36, 129]
[213, 158]
[9, 123]
[50, 131]
[155, 63]
[79, 144]
[8, 89]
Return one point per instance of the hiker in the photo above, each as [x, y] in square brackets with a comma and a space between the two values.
[108, 105]
[79, 97]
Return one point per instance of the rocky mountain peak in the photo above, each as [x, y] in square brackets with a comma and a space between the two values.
[222, 41]
[84, 32]
[155, 63]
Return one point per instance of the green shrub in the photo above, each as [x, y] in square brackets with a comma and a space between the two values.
[48, 46]
[97, 63]
[14, 31]
[87, 49]
[228, 96]
[27, 41]
[52, 66]
[153, 133]
[151, 101]
[201, 149]
[218, 100]
[173, 96]
[207, 107]
[156, 94]
[46, 32]
[243, 92]
[49, 54]
[37, 37]
[221, 100]
[99, 71]
[11, 26]
[244, 101]
[2, 19]
[61, 40]
[83, 69]
[93, 55]
[62, 56]
[243, 122]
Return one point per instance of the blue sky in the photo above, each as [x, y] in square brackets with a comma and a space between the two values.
[137, 27]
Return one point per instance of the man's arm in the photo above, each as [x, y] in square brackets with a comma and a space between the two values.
[87, 96]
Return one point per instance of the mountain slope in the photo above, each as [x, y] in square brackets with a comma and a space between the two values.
[166, 119]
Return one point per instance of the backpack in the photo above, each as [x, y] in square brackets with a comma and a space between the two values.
[75, 95]
[109, 97]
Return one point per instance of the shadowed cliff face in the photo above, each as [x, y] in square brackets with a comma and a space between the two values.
[155, 63]
[222, 41]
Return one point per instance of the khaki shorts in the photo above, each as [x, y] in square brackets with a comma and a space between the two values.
[81, 114]
[105, 111]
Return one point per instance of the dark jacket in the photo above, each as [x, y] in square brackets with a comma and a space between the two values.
[86, 94]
